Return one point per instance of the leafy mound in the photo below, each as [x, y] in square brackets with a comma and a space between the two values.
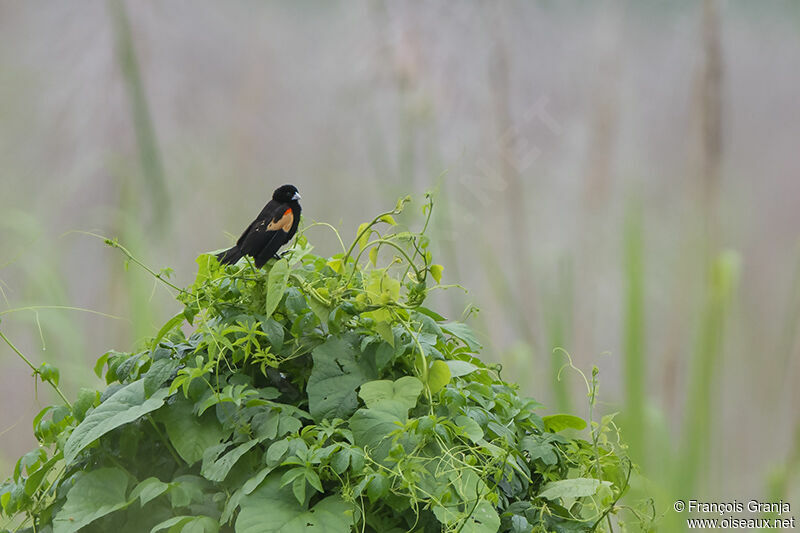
[318, 394]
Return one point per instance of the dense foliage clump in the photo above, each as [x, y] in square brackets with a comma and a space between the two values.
[317, 394]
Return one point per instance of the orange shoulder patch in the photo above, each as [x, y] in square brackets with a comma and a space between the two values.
[284, 223]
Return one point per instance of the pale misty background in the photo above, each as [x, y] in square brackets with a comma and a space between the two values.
[619, 179]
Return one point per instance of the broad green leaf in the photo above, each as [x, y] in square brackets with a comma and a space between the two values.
[148, 490]
[49, 373]
[276, 285]
[188, 524]
[254, 482]
[184, 490]
[436, 272]
[460, 368]
[373, 255]
[216, 468]
[556, 423]
[384, 329]
[372, 428]
[273, 509]
[274, 331]
[205, 265]
[335, 377]
[336, 265]
[95, 494]
[463, 332]
[321, 310]
[482, 519]
[381, 288]
[158, 373]
[35, 478]
[172, 323]
[571, 488]
[126, 405]
[404, 391]
[189, 434]
[461, 512]
[86, 399]
[438, 376]
[470, 428]
[538, 449]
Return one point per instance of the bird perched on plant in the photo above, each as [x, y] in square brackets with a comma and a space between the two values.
[272, 228]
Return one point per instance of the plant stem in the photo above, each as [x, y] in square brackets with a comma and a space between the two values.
[35, 370]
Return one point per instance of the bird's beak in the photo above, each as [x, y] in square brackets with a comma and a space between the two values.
[296, 196]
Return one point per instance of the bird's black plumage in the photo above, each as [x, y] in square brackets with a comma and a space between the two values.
[272, 228]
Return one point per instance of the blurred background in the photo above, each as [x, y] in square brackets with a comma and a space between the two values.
[617, 179]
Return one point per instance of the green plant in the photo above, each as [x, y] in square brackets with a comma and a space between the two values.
[318, 394]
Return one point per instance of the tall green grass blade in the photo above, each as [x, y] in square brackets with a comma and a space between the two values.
[723, 281]
[557, 315]
[635, 374]
[149, 153]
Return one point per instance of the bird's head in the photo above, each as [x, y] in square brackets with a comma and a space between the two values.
[286, 194]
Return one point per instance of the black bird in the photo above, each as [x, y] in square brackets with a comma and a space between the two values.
[272, 228]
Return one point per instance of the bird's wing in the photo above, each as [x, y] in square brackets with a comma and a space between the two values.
[284, 222]
[267, 233]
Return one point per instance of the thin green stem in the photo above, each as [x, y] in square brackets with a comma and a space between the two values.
[367, 228]
[62, 307]
[35, 370]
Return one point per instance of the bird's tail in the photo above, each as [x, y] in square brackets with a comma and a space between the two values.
[230, 256]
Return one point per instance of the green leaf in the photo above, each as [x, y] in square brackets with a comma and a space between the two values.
[372, 428]
[49, 373]
[336, 265]
[470, 428]
[335, 377]
[438, 376]
[538, 449]
[364, 239]
[188, 524]
[101, 362]
[172, 323]
[436, 272]
[276, 285]
[274, 331]
[126, 405]
[460, 368]
[463, 332]
[216, 468]
[377, 488]
[189, 434]
[384, 329]
[571, 488]
[86, 399]
[148, 490]
[184, 490]
[404, 391]
[159, 372]
[95, 494]
[254, 482]
[433, 314]
[321, 310]
[272, 509]
[373, 255]
[461, 512]
[35, 478]
[556, 423]
[482, 519]
[389, 219]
